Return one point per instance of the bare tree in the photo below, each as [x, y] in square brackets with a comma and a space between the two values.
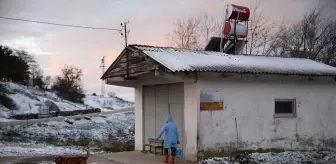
[36, 73]
[25, 56]
[185, 34]
[312, 37]
[259, 31]
[329, 53]
[47, 82]
[209, 27]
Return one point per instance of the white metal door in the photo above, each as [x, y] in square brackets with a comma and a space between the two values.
[161, 105]
[176, 106]
[149, 112]
[158, 102]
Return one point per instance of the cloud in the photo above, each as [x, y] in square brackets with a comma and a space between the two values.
[150, 20]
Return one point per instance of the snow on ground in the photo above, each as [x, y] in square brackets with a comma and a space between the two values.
[98, 128]
[4, 120]
[106, 102]
[32, 140]
[29, 99]
[287, 157]
[34, 149]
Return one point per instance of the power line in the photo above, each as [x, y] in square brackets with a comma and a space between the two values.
[58, 24]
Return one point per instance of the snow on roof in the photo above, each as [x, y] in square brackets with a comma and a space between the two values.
[177, 59]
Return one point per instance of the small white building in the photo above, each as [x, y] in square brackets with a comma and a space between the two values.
[221, 101]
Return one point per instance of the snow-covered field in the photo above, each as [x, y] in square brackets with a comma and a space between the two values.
[287, 157]
[98, 128]
[31, 99]
[14, 140]
[33, 149]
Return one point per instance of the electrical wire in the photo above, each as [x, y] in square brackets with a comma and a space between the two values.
[58, 24]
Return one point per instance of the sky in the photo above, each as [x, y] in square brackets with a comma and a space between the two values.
[149, 21]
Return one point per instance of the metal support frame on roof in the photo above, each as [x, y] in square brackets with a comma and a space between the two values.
[119, 78]
[175, 76]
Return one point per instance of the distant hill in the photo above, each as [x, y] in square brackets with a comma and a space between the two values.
[20, 99]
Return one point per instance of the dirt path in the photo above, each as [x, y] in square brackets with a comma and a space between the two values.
[49, 160]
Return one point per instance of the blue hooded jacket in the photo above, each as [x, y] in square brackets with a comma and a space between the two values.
[171, 133]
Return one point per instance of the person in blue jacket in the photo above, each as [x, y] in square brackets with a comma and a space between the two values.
[171, 138]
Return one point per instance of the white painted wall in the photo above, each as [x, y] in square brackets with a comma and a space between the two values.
[251, 101]
[138, 136]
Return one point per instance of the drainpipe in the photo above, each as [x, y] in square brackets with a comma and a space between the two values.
[237, 146]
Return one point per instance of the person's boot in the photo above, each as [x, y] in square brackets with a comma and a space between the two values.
[165, 159]
[172, 160]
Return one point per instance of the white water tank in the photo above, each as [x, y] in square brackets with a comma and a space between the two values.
[241, 29]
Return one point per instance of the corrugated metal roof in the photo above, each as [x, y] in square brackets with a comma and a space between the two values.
[189, 60]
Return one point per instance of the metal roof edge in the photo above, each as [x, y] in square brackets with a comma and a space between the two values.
[261, 73]
[163, 64]
[114, 63]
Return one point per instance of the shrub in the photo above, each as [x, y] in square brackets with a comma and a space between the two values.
[69, 85]
[3, 89]
[7, 101]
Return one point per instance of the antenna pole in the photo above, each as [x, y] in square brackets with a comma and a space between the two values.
[103, 71]
[125, 34]
[124, 26]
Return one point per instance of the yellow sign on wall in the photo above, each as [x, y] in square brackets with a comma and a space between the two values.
[212, 105]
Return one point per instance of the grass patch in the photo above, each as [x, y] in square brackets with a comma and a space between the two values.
[239, 154]
[12, 136]
[118, 146]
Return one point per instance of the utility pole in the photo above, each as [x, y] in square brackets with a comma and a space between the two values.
[103, 71]
[125, 34]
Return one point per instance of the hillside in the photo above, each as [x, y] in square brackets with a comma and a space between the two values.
[30, 99]
[106, 102]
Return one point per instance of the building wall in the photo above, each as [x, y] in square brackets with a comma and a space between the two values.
[250, 101]
[138, 110]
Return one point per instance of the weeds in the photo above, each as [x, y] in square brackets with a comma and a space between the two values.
[239, 154]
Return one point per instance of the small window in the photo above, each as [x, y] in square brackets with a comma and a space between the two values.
[285, 107]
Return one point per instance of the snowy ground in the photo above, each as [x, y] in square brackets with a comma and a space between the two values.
[36, 139]
[287, 157]
[33, 149]
[98, 128]
[30, 99]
